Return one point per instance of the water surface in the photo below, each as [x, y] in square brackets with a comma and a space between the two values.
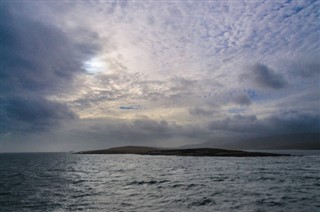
[64, 182]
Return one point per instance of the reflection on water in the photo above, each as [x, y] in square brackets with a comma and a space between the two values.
[59, 181]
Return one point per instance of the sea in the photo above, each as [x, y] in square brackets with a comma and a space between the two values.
[73, 182]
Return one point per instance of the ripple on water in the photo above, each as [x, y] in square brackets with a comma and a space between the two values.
[151, 182]
[202, 202]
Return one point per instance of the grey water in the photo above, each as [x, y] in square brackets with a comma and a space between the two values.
[69, 182]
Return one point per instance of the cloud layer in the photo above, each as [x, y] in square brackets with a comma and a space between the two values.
[158, 73]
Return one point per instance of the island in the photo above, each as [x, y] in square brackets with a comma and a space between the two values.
[211, 152]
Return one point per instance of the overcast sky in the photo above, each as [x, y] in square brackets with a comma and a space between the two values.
[78, 75]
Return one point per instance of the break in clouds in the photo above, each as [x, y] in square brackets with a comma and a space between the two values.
[90, 75]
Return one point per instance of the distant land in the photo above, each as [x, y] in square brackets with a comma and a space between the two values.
[142, 150]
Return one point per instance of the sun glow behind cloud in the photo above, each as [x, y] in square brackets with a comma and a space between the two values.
[95, 65]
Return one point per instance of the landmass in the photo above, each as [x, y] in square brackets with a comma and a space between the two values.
[142, 150]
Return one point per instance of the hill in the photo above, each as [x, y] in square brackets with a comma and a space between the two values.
[141, 150]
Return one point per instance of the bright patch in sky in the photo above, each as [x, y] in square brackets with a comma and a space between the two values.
[95, 65]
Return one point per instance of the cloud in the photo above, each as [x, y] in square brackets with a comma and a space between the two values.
[131, 107]
[264, 77]
[181, 61]
[306, 68]
[151, 126]
[112, 132]
[200, 112]
[293, 122]
[38, 60]
[237, 123]
[32, 113]
[241, 99]
[238, 131]
[287, 122]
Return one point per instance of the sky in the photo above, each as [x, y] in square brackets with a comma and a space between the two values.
[80, 75]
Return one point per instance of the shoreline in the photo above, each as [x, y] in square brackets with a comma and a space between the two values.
[208, 152]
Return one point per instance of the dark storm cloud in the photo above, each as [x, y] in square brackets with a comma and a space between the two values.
[37, 60]
[264, 77]
[32, 109]
[28, 113]
[237, 123]
[279, 123]
[294, 122]
[36, 57]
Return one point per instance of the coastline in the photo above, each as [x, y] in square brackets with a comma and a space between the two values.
[208, 152]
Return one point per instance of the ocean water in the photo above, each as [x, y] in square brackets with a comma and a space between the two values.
[68, 182]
